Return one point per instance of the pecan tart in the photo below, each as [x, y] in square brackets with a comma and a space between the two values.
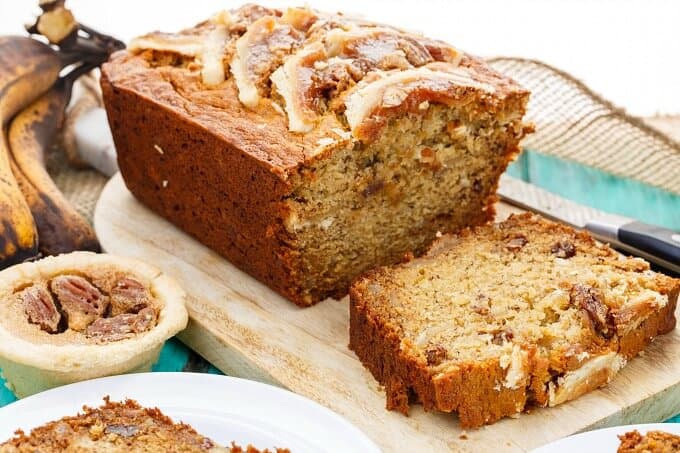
[83, 315]
[118, 427]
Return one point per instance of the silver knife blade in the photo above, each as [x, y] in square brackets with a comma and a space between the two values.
[602, 225]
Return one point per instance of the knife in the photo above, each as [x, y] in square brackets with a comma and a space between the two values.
[658, 245]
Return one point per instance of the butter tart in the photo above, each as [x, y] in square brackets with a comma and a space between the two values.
[81, 316]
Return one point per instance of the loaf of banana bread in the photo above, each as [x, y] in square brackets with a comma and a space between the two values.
[309, 147]
[501, 317]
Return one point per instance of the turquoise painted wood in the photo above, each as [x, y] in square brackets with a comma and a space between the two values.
[580, 183]
[174, 357]
[592, 187]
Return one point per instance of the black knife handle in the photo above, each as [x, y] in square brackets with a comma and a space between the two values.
[654, 240]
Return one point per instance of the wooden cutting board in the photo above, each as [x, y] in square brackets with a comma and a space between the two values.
[247, 330]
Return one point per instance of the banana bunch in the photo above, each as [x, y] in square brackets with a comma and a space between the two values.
[35, 217]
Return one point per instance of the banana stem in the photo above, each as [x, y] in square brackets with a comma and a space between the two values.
[69, 79]
[94, 47]
[68, 58]
[109, 42]
[76, 42]
[85, 51]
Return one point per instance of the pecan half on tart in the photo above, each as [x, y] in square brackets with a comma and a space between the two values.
[83, 315]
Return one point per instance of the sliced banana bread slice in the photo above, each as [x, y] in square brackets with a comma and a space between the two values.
[519, 313]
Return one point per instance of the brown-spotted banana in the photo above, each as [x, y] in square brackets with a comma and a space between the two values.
[28, 68]
[61, 229]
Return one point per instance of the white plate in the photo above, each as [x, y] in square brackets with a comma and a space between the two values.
[223, 408]
[602, 440]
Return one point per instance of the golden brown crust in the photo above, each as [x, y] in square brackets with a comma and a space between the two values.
[260, 135]
[211, 198]
[472, 388]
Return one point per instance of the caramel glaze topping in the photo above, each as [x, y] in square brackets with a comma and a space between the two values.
[312, 64]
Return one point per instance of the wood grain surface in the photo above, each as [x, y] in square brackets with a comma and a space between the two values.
[247, 330]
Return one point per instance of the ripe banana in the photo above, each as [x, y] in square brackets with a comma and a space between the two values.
[28, 68]
[60, 228]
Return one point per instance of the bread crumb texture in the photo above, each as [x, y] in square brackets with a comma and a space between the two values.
[505, 316]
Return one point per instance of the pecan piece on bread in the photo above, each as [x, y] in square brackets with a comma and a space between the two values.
[515, 243]
[122, 430]
[435, 354]
[564, 248]
[80, 300]
[502, 336]
[481, 305]
[128, 296]
[591, 300]
[40, 308]
[122, 326]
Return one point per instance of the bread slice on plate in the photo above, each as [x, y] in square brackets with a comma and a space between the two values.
[118, 427]
[505, 316]
[651, 442]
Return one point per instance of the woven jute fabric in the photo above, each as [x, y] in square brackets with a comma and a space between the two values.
[572, 122]
[81, 187]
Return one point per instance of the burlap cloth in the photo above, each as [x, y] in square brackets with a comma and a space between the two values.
[572, 123]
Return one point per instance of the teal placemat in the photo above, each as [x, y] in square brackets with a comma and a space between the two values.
[174, 357]
[598, 189]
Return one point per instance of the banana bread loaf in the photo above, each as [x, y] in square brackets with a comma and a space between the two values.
[309, 147]
[504, 316]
